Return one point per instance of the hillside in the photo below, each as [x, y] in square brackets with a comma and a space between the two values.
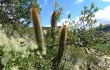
[105, 28]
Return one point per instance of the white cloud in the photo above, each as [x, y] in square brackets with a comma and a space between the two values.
[66, 22]
[77, 22]
[78, 1]
[62, 22]
[103, 16]
[106, 0]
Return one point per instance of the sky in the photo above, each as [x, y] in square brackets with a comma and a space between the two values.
[74, 7]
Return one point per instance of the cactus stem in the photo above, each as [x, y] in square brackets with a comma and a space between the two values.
[37, 28]
[62, 43]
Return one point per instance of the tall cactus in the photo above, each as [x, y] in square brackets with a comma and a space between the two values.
[37, 28]
[62, 44]
[54, 19]
[53, 23]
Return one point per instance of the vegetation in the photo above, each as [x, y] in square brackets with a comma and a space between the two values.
[77, 47]
[16, 13]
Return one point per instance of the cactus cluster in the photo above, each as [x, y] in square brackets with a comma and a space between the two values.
[39, 33]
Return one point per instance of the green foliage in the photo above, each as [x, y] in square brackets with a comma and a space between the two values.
[15, 15]
[84, 34]
[87, 15]
[104, 48]
[59, 10]
[18, 53]
[16, 10]
[21, 53]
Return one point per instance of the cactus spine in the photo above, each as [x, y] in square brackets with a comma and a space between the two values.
[62, 44]
[37, 28]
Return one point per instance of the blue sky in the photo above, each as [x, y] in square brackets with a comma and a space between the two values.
[74, 7]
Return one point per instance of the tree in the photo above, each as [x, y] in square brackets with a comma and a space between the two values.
[87, 17]
[84, 35]
[16, 11]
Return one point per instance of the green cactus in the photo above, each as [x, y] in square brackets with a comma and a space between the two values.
[62, 43]
[37, 28]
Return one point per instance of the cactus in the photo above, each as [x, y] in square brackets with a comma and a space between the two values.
[39, 35]
[62, 43]
[54, 19]
[37, 28]
[53, 23]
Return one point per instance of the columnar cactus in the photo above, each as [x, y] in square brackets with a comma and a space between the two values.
[54, 19]
[53, 23]
[37, 28]
[62, 43]
[39, 34]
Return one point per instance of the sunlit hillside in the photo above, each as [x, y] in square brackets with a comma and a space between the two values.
[77, 36]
